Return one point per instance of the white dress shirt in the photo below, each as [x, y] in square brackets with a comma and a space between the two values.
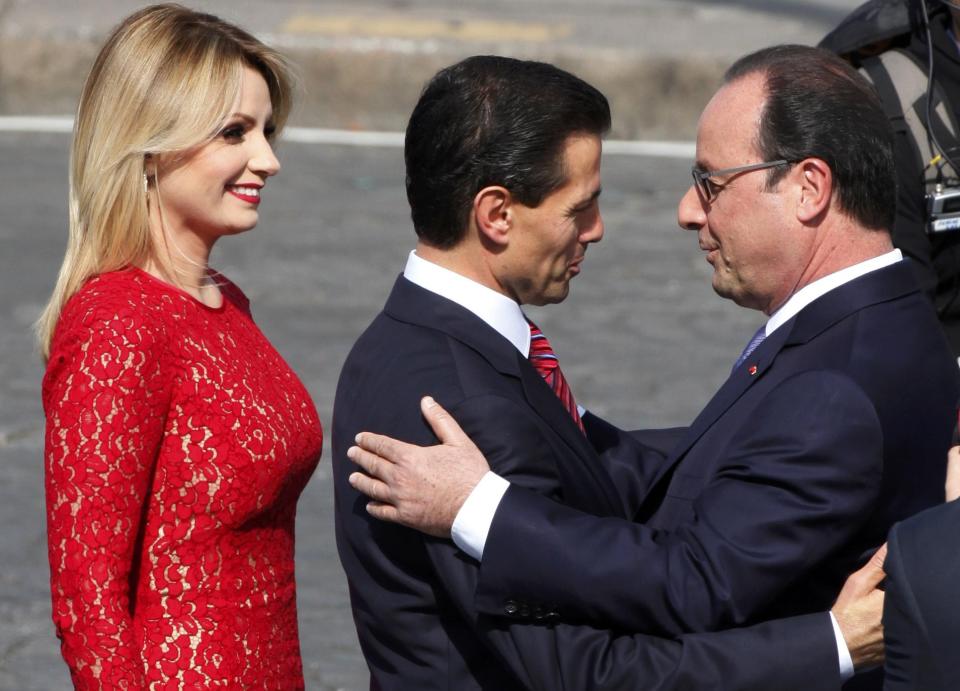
[472, 524]
[498, 311]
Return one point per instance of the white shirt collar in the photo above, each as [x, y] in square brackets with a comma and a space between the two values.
[497, 310]
[822, 286]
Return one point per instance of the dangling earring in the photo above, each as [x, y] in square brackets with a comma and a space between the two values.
[146, 179]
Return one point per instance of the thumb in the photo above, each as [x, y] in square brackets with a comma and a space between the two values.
[870, 574]
[874, 566]
[863, 582]
[953, 473]
[442, 423]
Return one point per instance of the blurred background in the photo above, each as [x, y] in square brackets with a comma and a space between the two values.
[642, 338]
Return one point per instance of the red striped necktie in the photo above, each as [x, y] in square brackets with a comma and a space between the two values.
[545, 362]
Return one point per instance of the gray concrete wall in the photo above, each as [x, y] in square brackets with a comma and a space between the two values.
[363, 63]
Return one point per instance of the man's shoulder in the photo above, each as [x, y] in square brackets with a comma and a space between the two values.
[925, 552]
[894, 349]
[403, 347]
[902, 329]
[934, 525]
[404, 351]
[412, 360]
[882, 312]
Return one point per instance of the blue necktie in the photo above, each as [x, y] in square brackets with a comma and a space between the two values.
[751, 346]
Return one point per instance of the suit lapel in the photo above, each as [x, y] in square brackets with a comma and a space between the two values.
[548, 406]
[882, 285]
[543, 400]
[739, 381]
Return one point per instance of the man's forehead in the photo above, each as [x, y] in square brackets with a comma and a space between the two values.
[731, 119]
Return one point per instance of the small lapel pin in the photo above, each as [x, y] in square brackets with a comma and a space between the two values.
[752, 370]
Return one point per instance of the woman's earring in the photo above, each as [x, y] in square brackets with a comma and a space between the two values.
[146, 183]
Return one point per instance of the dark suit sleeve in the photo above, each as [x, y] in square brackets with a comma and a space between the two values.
[633, 458]
[903, 629]
[921, 614]
[795, 487]
[798, 653]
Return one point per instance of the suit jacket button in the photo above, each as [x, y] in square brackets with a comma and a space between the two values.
[510, 608]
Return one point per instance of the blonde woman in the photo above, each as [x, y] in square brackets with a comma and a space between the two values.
[178, 440]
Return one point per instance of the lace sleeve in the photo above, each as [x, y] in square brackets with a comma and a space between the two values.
[105, 401]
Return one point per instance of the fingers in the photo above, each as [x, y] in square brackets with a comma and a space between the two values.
[953, 473]
[373, 464]
[442, 423]
[380, 493]
[373, 488]
[383, 512]
[379, 451]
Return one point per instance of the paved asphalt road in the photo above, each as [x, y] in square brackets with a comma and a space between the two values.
[643, 340]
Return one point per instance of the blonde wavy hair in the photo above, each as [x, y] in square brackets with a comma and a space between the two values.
[164, 82]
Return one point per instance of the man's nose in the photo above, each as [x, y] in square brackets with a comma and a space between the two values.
[595, 232]
[691, 214]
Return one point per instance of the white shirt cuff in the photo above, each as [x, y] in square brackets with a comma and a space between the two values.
[846, 662]
[473, 521]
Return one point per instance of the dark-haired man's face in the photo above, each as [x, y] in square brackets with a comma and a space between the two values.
[748, 231]
[548, 242]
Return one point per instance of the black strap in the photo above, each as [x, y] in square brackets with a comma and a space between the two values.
[889, 97]
[890, 100]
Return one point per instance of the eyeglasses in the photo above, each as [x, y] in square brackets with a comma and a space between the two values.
[709, 189]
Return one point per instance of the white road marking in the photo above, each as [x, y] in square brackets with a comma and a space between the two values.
[313, 135]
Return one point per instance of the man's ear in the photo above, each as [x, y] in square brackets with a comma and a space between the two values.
[492, 210]
[816, 188]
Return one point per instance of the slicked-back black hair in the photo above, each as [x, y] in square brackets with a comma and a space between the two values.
[492, 121]
[818, 106]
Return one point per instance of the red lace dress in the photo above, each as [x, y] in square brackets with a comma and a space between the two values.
[177, 444]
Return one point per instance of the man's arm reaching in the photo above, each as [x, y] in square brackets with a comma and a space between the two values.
[709, 574]
[797, 653]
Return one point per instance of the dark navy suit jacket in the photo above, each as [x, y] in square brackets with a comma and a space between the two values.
[836, 427]
[413, 596]
[921, 618]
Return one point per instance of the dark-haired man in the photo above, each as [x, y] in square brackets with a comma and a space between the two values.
[504, 194]
[833, 424]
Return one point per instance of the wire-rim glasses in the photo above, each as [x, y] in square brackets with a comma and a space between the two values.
[709, 189]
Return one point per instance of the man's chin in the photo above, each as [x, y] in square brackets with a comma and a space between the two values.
[554, 298]
[727, 292]
[740, 298]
